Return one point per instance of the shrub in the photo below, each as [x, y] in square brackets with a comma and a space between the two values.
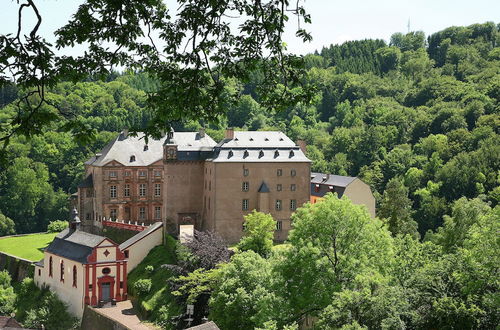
[149, 269]
[7, 295]
[7, 226]
[57, 226]
[142, 286]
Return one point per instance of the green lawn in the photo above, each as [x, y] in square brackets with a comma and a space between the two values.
[28, 247]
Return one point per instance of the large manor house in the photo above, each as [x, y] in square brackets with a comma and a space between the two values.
[186, 178]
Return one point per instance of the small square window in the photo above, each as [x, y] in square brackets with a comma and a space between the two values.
[279, 187]
[279, 172]
[143, 174]
[293, 172]
[246, 172]
[245, 186]
[126, 253]
[112, 174]
[293, 187]
[278, 205]
[279, 225]
[157, 174]
[244, 205]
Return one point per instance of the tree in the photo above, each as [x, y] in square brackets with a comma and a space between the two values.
[244, 297]
[258, 233]
[7, 226]
[332, 243]
[396, 209]
[198, 47]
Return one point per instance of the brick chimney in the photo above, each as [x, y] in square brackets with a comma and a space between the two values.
[229, 133]
[302, 144]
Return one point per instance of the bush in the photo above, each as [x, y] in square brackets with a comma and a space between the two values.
[258, 233]
[7, 295]
[57, 226]
[149, 269]
[35, 306]
[7, 226]
[142, 286]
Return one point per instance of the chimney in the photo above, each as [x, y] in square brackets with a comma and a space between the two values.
[229, 133]
[302, 144]
[201, 132]
[125, 132]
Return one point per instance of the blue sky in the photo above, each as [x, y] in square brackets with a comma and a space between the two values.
[333, 21]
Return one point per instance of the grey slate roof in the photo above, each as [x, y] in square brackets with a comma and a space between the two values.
[88, 182]
[75, 245]
[140, 235]
[205, 326]
[263, 188]
[332, 180]
[258, 146]
[123, 147]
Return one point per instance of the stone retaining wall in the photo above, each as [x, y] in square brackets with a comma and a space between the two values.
[18, 268]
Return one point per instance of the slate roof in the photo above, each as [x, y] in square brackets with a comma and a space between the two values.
[140, 235]
[205, 326]
[259, 146]
[88, 182]
[331, 180]
[124, 146]
[263, 188]
[74, 245]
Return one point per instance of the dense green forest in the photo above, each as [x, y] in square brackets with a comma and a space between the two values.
[417, 119]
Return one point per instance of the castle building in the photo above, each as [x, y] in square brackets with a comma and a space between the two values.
[185, 178]
[351, 187]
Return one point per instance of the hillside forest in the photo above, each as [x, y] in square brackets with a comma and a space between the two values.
[418, 119]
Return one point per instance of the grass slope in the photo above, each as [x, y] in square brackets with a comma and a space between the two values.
[28, 247]
[158, 305]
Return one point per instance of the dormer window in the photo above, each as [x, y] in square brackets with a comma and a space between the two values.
[236, 139]
[292, 153]
[146, 147]
[230, 154]
[261, 154]
[132, 158]
[266, 139]
[276, 154]
[245, 154]
[281, 139]
[251, 139]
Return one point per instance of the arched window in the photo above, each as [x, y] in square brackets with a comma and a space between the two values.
[50, 266]
[62, 271]
[74, 276]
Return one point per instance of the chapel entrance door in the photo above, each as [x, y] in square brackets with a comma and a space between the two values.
[106, 291]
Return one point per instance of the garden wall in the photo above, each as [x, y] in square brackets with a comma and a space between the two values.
[18, 268]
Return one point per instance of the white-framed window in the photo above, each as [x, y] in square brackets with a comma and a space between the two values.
[279, 187]
[157, 212]
[279, 225]
[293, 172]
[293, 204]
[293, 187]
[157, 189]
[126, 190]
[244, 205]
[126, 173]
[246, 172]
[113, 213]
[279, 172]
[142, 190]
[143, 174]
[112, 191]
[112, 174]
[278, 205]
[245, 186]
[157, 174]
[142, 213]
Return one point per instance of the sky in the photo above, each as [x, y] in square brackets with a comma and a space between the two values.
[333, 21]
